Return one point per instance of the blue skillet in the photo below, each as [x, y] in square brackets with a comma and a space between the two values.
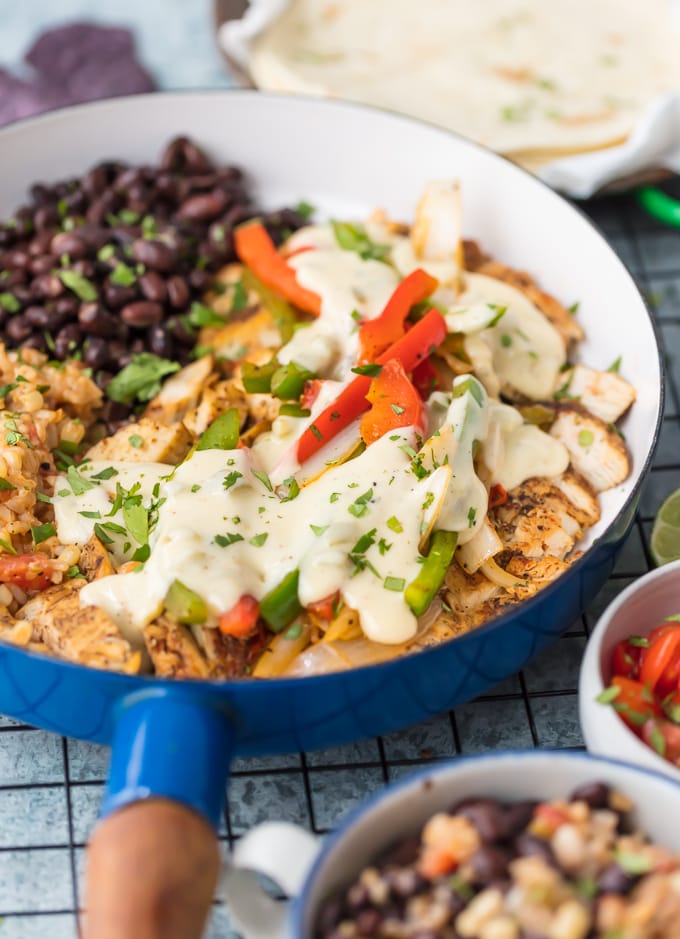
[153, 858]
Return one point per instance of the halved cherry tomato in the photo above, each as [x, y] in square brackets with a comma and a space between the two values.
[626, 659]
[27, 571]
[547, 819]
[664, 737]
[634, 702]
[436, 861]
[241, 620]
[498, 496]
[394, 403]
[325, 608]
[660, 661]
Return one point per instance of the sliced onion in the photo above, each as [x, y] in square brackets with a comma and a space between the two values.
[497, 575]
[280, 652]
[481, 548]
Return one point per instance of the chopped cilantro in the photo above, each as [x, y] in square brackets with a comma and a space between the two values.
[83, 288]
[318, 529]
[395, 525]
[122, 275]
[202, 315]
[506, 341]
[360, 507]
[372, 369]
[354, 238]
[9, 302]
[334, 496]
[41, 533]
[397, 408]
[585, 438]
[7, 546]
[304, 209]
[616, 365]
[141, 379]
[136, 441]
[106, 473]
[5, 485]
[231, 478]
[258, 540]
[230, 538]
[264, 479]
[292, 489]
[472, 514]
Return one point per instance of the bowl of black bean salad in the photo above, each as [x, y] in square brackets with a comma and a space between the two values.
[518, 845]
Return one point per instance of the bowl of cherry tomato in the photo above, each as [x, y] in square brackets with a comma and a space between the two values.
[629, 692]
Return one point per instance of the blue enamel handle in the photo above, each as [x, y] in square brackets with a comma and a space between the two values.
[170, 743]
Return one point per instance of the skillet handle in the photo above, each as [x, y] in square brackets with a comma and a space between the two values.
[153, 859]
[151, 873]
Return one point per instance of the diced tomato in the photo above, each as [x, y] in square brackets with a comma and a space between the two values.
[241, 620]
[634, 702]
[394, 403]
[27, 571]
[436, 861]
[660, 661]
[664, 737]
[325, 608]
[310, 392]
[626, 659]
[497, 496]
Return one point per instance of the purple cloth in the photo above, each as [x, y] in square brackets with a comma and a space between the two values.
[78, 62]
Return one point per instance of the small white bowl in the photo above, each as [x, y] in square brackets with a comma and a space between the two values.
[636, 611]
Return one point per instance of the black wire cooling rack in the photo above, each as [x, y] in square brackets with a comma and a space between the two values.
[50, 788]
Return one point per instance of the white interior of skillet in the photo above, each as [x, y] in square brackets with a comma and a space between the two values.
[347, 160]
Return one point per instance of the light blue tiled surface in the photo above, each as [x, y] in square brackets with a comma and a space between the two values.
[45, 820]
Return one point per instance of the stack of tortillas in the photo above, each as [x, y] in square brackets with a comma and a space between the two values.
[534, 79]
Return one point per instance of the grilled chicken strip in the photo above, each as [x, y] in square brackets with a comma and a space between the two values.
[538, 520]
[83, 634]
[604, 394]
[597, 453]
[160, 443]
[174, 651]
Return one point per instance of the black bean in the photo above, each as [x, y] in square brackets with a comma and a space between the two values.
[42, 264]
[161, 342]
[178, 292]
[615, 880]
[142, 313]
[67, 340]
[330, 914]
[153, 287]
[182, 154]
[47, 286]
[238, 214]
[96, 180]
[17, 258]
[357, 897]
[16, 277]
[486, 865]
[368, 922]
[38, 316]
[113, 410]
[96, 352]
[155, 255]
[199, 280]
[40, 243]
[94, 236]
[35, 341]
[18, 328]
[40, 193]
[7, 237]
[127, 178]
[527, 845]
[96, 321]
[117, 296]
[184, 334]
[66, 307]
[516, 817]
[68, 242]
[487, 815]
[426, 934]
[595, 794]
[23, 294]
[204, 207]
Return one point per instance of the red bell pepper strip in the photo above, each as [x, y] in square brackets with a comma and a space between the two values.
[394, 403]
[425, 379]
[411, 349]
[327, 607]
[258, 252]
[241, 620]
[377, 334]
[311, 392]
[660, 661]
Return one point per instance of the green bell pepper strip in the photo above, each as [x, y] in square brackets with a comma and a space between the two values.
[257, 379]
[283, 313]
[420, 592]
[281, 605]
[288, 381]
[184, 605]
[223, 433]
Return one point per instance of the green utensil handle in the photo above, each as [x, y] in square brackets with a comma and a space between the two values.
[659, 205]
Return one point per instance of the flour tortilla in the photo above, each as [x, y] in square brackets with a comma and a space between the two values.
[528, 78]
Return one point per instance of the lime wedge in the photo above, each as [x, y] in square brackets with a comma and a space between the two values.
[665, 540]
